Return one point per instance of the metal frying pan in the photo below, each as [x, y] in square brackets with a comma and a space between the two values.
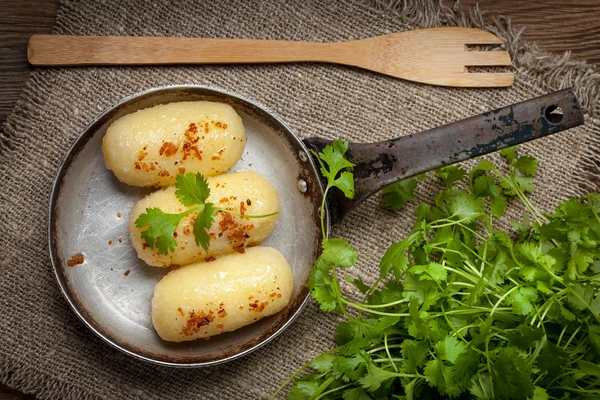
[89, 209]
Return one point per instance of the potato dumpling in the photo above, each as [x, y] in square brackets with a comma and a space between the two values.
[151, 146]
[206, 299]
[245, 193]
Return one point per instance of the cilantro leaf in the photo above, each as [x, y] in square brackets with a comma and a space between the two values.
[414, 354]
[345, 183]
[349, 368]
[356, 394]
[449, 348]
[465, 207]
[338, 252]
[192, 189]
[323, 363]
[304, 389]
[552, 359]
[395, 257]
[333, 156]
[589, 368]
[480, 169]
[526, 165]
[525, 336]
[374, 377]
[465, 367]
[203, 222]
[521, 300]
[594, 338]
[510, 154]
[451, 174]
[433, 373]
[482, 184]
[397, 194]
[359, 283]
[511, 375]
[580, 296]
[160, 231]
[540, 394]
[497, 205]
[431, 271]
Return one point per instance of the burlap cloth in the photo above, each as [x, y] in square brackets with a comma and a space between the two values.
[45, 350]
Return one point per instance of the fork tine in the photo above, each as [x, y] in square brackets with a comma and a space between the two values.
[486, 58]
[479, 36]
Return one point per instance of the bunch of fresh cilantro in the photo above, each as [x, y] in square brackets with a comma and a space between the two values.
[461, 309]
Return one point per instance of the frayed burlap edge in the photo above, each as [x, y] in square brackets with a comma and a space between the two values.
[535, 68]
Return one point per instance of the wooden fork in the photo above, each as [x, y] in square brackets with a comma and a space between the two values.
[438, 56]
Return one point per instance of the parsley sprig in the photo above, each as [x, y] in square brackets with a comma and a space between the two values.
[192, 191]
[461, 309]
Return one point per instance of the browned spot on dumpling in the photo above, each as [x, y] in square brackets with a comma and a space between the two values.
[168, 149]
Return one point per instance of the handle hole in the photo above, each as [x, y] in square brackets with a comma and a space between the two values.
[554, 114]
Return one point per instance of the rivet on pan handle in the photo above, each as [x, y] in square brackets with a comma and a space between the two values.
[381, 164]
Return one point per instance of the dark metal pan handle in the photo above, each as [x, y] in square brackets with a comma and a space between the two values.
[381, 164]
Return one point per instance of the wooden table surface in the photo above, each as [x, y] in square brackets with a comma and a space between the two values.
[555, 25]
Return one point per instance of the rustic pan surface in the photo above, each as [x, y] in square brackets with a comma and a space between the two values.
[89, 207]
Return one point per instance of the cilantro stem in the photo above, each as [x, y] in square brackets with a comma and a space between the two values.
[376, 349]
[462, 284]
[386, 359]
[504, 297]
[561, 335]
[387, 350]
[489, 364]
[572, 337]
[372, 288]
[569, 389]
[543, 316]
[323, 212]
[473, 232]
[321, 388]
[333, 390]
[246, 215]
[472, 268]
[359, 307]
[452, 222]
[463, 274]
[393, 303]
[466, 327]
[452, 325]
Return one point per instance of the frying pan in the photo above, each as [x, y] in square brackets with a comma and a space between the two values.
[112, 289]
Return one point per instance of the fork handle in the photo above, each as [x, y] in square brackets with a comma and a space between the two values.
[57, 50]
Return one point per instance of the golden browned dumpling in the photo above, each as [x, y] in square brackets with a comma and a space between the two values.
[207, 299]
[151, 146]
[246, 193]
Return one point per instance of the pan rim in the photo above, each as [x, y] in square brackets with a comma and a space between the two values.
[81, 139]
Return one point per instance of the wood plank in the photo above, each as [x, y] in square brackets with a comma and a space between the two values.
[19, 19]
[555, 25]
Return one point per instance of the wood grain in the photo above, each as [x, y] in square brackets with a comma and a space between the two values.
[19, 19]
[555, 25]
[437, 56]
